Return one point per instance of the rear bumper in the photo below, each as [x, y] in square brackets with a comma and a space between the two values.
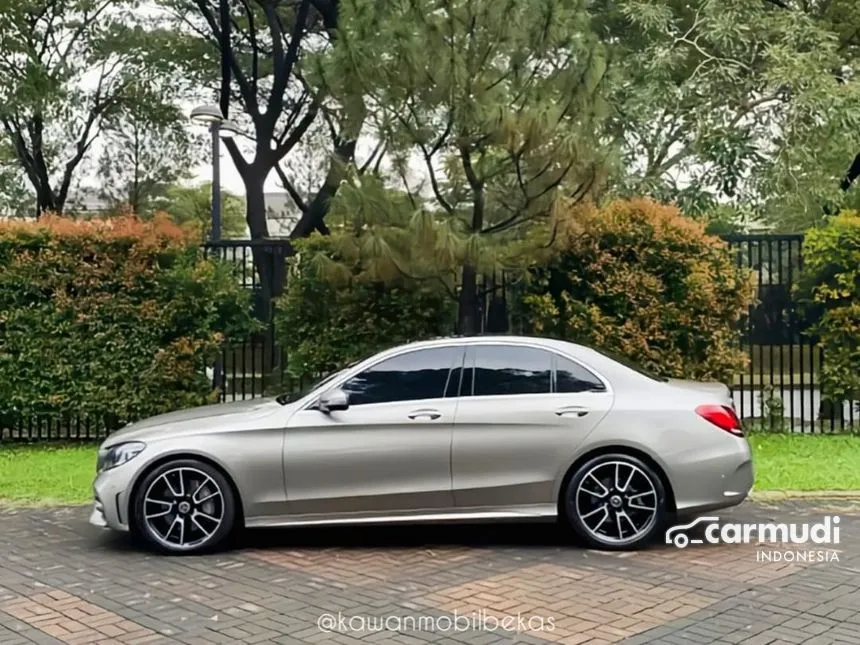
[720, 479]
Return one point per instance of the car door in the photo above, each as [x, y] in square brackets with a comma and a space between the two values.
[389, 452]
[522, 414]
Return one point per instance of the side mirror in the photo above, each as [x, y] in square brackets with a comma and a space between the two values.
[333, 400]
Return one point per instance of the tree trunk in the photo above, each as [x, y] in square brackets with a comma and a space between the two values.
[269, 261]
[45, 202]
[468, 317]
[313, 218]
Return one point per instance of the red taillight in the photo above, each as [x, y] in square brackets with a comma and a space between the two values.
[723, 417]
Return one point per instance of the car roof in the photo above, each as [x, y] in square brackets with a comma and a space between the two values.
[493, 339]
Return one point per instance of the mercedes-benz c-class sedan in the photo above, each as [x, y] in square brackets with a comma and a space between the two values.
[457, 430]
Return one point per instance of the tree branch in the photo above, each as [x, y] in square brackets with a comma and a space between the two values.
[299, 131]
[288, 186]
[248, 95]
[283, 62]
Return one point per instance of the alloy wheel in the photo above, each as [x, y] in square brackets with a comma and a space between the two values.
[617, 502]
[183, 508]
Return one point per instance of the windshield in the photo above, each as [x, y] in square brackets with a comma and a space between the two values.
[292, 397]
[626, 362]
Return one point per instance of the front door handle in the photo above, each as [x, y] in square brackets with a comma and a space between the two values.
[572, 410]
[425, 414]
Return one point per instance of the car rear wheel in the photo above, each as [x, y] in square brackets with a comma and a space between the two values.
[615, 501]
[184, 506]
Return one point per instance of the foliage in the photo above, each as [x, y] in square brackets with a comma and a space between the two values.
[147, 149]
[641, 280]
[772, 408]
[329, 319]
[112, 320]
[738, 100]
[498, 101]
[192, 205]
[15, 199]
[68, 69]
[262, 63]
[830, 287]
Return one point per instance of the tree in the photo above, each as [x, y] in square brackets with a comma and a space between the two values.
[67, 68]
[267, 50]
[734, 100]
[146, 148]
[15, 199]
[193, 205]
[499, 104]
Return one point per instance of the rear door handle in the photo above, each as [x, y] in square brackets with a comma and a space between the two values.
[572, 411]
[425, 414]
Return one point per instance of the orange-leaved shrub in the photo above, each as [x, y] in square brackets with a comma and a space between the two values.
[110, 320]
[639, 279]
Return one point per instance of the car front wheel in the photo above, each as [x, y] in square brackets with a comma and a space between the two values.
[615, 501]
[184, 506]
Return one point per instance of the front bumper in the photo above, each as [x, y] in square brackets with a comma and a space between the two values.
[110, 504]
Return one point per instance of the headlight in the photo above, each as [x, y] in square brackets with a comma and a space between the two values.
[118, 455]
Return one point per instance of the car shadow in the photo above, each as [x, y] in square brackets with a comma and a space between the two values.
[519, 535]
[514, 535]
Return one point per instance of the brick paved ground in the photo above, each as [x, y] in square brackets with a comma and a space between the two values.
[63, 581]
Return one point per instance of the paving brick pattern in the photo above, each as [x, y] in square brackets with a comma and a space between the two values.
[62, 581]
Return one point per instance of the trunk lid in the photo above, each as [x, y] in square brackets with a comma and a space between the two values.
[718, 390]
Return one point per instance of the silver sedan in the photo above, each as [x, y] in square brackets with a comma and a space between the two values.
[461, 429]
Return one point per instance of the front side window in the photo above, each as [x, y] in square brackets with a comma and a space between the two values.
[422, 374]
[501, 370]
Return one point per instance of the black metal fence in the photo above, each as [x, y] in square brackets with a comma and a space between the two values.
[256, 366]
[778, 391]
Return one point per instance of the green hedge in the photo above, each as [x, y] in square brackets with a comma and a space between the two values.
[110, 320]
[334, 312]
[830, 291]
[639, 279]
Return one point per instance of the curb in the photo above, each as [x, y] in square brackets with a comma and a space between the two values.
[777, 495]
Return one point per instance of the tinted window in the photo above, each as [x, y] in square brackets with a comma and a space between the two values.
[502, 369]
[422, 374]
[572, 377]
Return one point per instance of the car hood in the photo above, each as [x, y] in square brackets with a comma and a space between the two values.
[208, 418]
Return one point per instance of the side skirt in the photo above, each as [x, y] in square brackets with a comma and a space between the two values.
[530, 513]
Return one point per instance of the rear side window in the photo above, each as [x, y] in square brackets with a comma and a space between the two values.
[573, 377]
[422, 374]
[501, 370]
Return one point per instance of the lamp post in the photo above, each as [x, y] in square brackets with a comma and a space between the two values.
[219, 128]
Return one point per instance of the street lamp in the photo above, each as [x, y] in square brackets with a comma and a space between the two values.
[220, 128]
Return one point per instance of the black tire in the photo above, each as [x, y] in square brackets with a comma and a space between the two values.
[162, 524]
[596, 532]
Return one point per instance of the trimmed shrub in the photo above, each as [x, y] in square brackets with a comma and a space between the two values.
[639, 279]
[334, 312]
[829, 291]
[110, 320]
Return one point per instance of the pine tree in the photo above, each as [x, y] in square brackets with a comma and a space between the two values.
[489, 113]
